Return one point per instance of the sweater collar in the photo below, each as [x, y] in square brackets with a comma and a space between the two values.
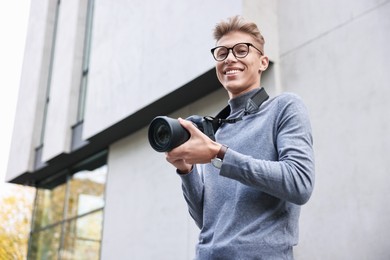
[238, 103]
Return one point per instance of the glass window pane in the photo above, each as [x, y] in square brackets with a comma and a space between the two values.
[86, 57]
[68, 216]
[83, 237]
[44, 244]
[82, 97]
[86, 191]
[49, 206]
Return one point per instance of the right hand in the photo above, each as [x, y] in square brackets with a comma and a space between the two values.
[198, 149]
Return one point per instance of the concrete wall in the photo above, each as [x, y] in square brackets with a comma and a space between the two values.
[143, 50]
[36, 81]
[31, 98]
[335, 55]
[66, 78]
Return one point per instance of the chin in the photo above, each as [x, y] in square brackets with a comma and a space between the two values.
[234, 92]
[231, 86]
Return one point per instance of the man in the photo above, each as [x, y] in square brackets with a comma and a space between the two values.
[247, 201]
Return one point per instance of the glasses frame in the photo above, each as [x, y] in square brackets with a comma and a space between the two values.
[231, 49]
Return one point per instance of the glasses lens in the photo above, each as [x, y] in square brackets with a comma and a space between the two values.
[221, 53]
[241, 50]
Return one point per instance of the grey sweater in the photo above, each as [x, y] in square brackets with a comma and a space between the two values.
[249, 209]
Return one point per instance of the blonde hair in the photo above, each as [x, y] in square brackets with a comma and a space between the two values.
[238, 24]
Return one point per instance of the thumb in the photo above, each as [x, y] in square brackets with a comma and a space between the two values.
[188, 125]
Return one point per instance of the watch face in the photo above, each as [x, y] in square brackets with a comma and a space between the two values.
[217, 163]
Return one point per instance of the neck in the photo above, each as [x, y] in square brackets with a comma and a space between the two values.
[238, 102]
[241, 92]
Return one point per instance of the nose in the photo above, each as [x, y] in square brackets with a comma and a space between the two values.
[230, 57]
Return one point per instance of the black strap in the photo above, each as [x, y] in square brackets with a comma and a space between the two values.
[252, 106]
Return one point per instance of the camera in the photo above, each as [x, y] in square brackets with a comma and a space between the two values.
[166, 133]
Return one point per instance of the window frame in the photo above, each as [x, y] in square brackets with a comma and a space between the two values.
[65, 178]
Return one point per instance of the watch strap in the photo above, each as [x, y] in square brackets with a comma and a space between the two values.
[222, 151]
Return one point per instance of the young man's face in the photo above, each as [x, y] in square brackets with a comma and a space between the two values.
[240, 75]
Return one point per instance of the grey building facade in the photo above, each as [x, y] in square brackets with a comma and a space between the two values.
[96, 72]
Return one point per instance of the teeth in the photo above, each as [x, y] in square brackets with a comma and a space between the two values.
[232, 71]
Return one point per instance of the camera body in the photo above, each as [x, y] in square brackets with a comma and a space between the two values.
[166, 133]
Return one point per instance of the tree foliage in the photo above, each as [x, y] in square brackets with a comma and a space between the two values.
[16, 203]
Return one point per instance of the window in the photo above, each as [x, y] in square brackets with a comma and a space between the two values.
[67, 221]
[50, 72]
[77, 128]
[87, 50]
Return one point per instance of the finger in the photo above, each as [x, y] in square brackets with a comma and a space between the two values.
[188, 125]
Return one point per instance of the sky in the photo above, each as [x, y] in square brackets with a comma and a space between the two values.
[13, 30]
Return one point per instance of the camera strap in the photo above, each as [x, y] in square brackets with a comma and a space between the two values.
[252, 106]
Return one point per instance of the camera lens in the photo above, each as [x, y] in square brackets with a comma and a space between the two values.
[166, 133]
[162, 135]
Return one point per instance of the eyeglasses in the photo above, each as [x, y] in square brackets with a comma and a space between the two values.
[239, 50]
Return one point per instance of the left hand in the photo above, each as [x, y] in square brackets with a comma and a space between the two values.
[198, 149]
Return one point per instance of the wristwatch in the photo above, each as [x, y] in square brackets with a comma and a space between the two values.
[218, 160]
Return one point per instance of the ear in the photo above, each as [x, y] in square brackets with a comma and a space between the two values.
[264, 62]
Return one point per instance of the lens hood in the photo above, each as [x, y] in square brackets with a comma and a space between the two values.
[166, 133]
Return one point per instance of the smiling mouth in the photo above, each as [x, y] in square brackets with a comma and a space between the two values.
[231, 72]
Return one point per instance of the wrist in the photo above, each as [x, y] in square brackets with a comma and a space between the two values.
[221, 152]
[185, 171]
[217, 161]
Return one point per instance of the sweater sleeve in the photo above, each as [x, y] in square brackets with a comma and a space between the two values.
[193, 190]
[291, 176]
